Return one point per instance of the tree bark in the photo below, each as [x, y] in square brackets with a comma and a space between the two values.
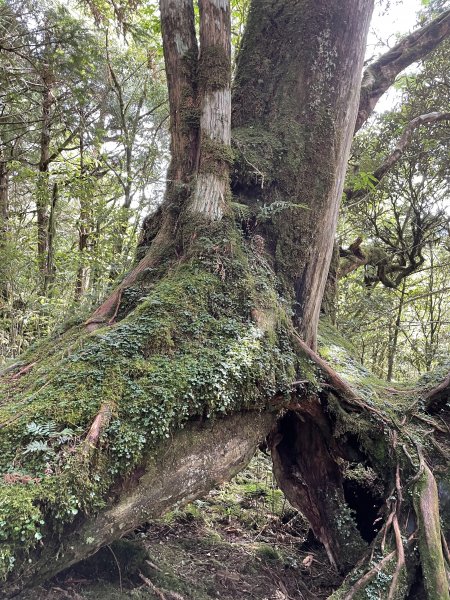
[4, 216]
[84, 226]
[393, 343]
[181, 59]
[212, 185]
[300, 101]
[43, 193]
[50, 267]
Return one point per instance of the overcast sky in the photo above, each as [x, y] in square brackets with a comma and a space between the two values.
[400, 19]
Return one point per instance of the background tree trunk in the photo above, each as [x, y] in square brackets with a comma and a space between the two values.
[43, 191]
[4, 215]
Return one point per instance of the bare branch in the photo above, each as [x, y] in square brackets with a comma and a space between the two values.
[381, 74]
[396, 154]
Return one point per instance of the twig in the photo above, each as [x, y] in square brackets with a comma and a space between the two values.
[118, 567]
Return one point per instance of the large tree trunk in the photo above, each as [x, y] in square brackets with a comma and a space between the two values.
[179, 374]
[294, 113]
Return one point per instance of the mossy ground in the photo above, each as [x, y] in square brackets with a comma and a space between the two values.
[243, 541]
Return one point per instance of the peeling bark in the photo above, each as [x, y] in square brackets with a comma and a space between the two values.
[212, 185]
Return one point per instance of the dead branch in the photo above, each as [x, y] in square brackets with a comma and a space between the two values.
[161, 594]
[336, 380]
[23, 371]
[99, 424]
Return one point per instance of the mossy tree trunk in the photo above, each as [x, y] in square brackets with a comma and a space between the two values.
[294, 113]
[195, 358]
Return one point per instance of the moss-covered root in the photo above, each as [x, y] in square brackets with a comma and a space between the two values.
[426, 504]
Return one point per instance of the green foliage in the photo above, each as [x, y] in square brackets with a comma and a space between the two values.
[107, 145]
[393, 307]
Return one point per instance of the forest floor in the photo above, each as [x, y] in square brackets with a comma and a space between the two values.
[243, 541]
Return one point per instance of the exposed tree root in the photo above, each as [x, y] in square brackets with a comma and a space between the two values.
[430, 545]
[367, 577]
[99, 425]
[435, 393]
[197, 459]
[108, 310]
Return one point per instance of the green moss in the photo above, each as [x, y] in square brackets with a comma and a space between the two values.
[215, 157]
[214, 70]
[190, 111]
[188, 350]
[191, 116]
[257, 153]
[267, 552]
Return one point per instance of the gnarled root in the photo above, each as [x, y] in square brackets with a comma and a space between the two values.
[426, 504]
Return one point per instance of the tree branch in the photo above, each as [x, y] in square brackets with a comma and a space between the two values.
[397, 153]
[380, 75]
